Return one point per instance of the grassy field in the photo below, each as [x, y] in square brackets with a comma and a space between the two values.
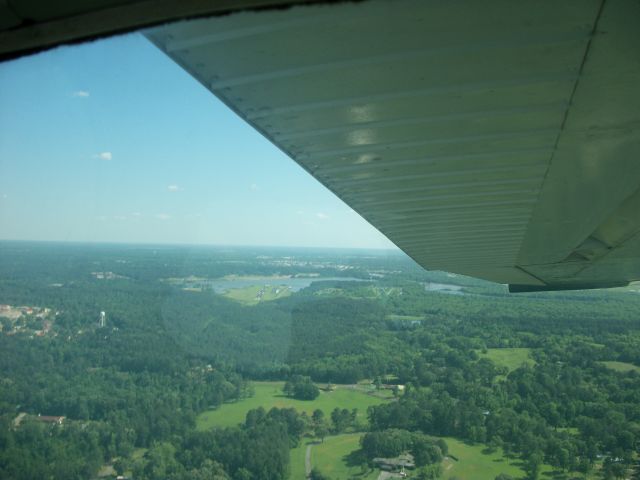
[258, 293]
[269, 394]
[358, 291]
[473, 464]
[476, 463]
[571, 430]
[511, 358]
[297, 468]
[405, 318]
[331, 458]
[621, 366]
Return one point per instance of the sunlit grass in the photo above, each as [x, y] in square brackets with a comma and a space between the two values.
[476, 463]
[332, 458]
[621, 366]
[511, 358]
[297, 456]
[269, 395]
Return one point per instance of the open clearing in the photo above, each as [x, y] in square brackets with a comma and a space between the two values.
[297, 460]
[473, 464]
[331, 458]
[405, 318]
[258, 293]
[621, 366]
[269, 395]
[476, 463]
[512, 358]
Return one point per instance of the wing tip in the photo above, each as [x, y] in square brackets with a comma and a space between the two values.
[518, 288]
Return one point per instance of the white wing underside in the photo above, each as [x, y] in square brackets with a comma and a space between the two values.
[498, 139]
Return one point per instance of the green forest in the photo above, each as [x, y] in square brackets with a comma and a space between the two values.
[552, 380]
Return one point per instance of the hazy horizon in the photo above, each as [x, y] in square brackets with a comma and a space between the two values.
[110, 141]
[392, 250]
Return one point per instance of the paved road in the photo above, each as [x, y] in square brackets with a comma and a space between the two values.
[307, 460]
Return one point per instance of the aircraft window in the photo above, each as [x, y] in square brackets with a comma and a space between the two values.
[180, 300]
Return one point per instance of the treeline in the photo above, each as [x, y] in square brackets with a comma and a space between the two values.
[567, 410]
[342, 340]
[257, 449]
[167, 355]
[120, 388]
[37, 450]
[301, 388]
[60, 262]
[391, 443]
[253, 339]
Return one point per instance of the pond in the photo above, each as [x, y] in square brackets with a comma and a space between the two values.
[444, 288]
[222, 285]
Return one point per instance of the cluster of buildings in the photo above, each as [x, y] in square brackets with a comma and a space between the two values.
[397, 464]
[48, 419]
[14, 313]
[105, 275]
[34, 321]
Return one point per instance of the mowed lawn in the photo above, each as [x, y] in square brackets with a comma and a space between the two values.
[331, 458]
[296, 455]
[269, 395]
[621, 366]
[512, 358]
[473, 464]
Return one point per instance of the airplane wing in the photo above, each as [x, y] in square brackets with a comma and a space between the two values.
[496, 139]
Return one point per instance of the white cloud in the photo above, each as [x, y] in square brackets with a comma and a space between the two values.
[103, 156]
[80, 94]
[322, 216]
[173, 188]
[119, 217]
[253, 186]
[136, 214]
[162, 216]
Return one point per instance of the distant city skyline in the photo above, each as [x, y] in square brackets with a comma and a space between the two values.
[111, 141]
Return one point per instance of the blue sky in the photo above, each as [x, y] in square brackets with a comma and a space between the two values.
[111, 141]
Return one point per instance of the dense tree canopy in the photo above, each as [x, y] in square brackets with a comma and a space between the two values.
[301, 388]
[173, 347]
